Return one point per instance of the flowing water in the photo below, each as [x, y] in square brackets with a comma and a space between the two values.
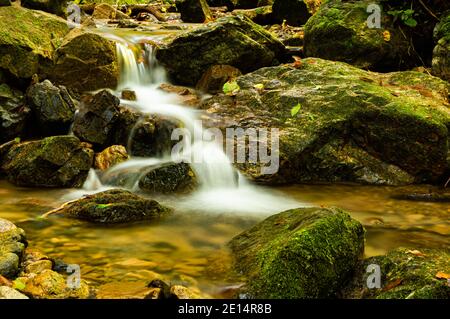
[189, 247]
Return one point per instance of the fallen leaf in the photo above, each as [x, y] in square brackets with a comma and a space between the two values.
[295, 109]
[297, 62]
[392, 284]
[417, 253]
[442, 275]
[387, 36]
[5, 282]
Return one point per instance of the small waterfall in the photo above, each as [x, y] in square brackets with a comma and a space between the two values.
[222, 188]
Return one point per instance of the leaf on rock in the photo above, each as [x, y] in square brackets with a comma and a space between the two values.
[231, 88]
[296, 109]
[442, 275]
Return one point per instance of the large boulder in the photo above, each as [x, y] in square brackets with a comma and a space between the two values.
[338, 123]
[113, 207]
[13, 113]
[12, 246]
[196, 11]
[28, 40]
[339, 31]
[299, 253]
[234, 41]
[58, 7]
[96, 119]
[58, 161]
[52, 106]
[404, 274]
[85, 61]
[168, 179]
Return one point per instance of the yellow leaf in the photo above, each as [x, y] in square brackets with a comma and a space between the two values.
[442, 275]
[387, 36]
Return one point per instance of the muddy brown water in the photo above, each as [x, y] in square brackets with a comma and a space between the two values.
[189, 247]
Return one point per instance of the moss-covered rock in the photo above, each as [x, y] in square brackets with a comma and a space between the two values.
[28, 40]
[405, 274]
[167, 179]
[85, 61]
[339, 31]
[58, 161]
[114, 206]
[234, 41]
[195, 11]
[300, 253]
[352, 125]
[14, 113]
[52, 106]
[12, 246]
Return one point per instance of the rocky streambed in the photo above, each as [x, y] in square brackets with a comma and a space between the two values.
[91, 207]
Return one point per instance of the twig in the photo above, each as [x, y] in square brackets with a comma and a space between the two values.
[428, 9]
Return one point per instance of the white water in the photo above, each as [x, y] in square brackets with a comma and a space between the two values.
[222, 189]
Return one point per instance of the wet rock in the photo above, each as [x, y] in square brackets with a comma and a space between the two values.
[96, 119]
[10, 293]
[13, 113]
[168, 179]
[128, 95]
[12, 246]
[58, 7]
[405, 274]
[235, 41]
[294, 12]
[215, 77]
[49, 284]
[85, 61]
[351, 126]
[195, 11]
[300, 253]
[106, 11]
[52, 106]
[114, 206]
[110, 156]
[187, 96]
[58, 161]
[28, 39]
[339, 32]
[127, 23]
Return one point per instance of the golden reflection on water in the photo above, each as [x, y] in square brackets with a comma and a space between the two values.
[189, 247]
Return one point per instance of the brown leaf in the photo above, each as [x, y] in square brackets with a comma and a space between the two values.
[442, 275]
[392, 284]
[297, 62]
[5, 282]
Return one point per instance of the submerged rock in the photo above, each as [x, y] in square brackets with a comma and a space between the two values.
[299, 253]
[12, 246]
[339, 31]
[28, 39]
[114, 206]
[85, 61]
[350, 125]
[171, 178]
[96, 119]
[195, 11]
[53, 107]
[110, 156]
[404, 274]
[235, 41]
[58, 161]
[14, 113]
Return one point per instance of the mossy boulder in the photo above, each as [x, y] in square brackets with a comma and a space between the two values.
[234, 41]
[14, 113]
[195, 11]
[28, 40]
[405, 274]
[58, 7]
[339, 31]
[113, 207]
[85, 61]
[57, 161]
[169, 178]
[52, 106]
[299, 253]
[12, 246]
[351, 125]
